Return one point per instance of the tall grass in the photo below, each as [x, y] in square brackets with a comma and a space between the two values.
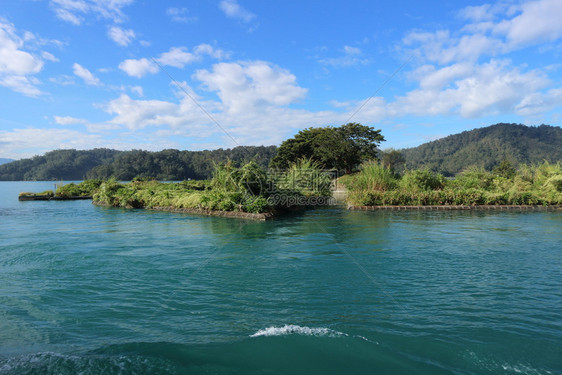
[530, 185]
[372, 176]
[304, 177]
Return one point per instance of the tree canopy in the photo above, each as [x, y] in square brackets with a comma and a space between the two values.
[487, 147]
[340, 148]
[125, 165]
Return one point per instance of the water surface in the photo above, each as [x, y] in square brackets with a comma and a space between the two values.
[91, 290]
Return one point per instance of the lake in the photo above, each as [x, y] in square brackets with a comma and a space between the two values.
[92, 290]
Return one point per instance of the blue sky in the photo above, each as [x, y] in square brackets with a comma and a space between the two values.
[192, 75]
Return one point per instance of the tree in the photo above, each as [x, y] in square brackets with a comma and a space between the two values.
[340, 148]
[393, 160]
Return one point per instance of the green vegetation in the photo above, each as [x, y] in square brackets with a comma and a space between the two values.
[486, 147]
[57, 165]
[377, 185]
[237, 179]
[44, 194]
[248, 188]
[340, 148]
[166, 165]
[84, 189]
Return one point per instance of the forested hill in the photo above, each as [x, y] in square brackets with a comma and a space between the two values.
[4, 161]
[57, 165]
[487, 147]
[125, 165]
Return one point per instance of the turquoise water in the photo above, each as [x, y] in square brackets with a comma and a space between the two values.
[93, 290]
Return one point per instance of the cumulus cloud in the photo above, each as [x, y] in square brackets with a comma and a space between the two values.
[86, 75]
[17, 66]
[463, 72]
[494, 30]
[538, 103]
[121, 36]
[538, 21]
[22, 84]
[178, 57]
[251, 85]
[233, 10]
[138, 68]
[467, 90]
[75, 11]
[138, 114]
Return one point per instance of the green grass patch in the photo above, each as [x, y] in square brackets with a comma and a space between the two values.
[528, 185]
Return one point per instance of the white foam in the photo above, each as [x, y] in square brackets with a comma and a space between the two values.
[290, 329]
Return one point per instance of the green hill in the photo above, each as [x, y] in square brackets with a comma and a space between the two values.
[487, 147]
[125, 165]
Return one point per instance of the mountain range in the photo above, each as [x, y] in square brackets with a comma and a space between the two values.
[485, 147]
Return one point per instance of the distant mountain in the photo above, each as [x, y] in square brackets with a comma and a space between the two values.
[57, 165]
[487, 147]
[4, 161]
[125, 165]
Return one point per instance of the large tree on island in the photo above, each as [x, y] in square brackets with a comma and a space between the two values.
[340, 148]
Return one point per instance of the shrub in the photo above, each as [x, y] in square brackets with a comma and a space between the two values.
[422, 179]
[473, 178]
[304, 177]
[374, 176]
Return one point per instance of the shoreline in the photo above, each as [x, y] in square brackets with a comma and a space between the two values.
[199, 211]
[457, 208]
[51, 198]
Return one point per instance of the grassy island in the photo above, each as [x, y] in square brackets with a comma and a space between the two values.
[377, 185]
[245, 189]
[71, 191]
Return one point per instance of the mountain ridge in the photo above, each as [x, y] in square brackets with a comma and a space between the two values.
[484, 147]
[488, 146]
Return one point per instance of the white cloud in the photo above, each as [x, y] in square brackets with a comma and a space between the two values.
[36, 141]
[351, 56]
[138, 68]
[539, 103]
[180, 15]
[17, 65]
[43, 140]
[86, 75]
[470, 91]
[233, 10]
[75, 11]
[538, 21]
[478, 13]
[531, 23]
[462, 74]
[68, 120]
[138, 114]
[22, 84]
[178, 57]
[254, 107]
[207, 49]
[49, 56]
[254, 85]
[120, 36]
